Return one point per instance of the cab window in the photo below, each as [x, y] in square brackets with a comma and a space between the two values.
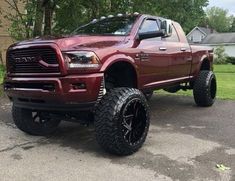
[174, 37]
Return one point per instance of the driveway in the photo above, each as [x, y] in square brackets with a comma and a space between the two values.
[185, 143]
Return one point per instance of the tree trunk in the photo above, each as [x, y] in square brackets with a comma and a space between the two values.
[38, 20]
[49, 10]
[47, 19]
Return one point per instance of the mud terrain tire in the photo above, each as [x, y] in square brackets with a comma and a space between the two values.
[34, 123]
[122, 121]
[205, 88]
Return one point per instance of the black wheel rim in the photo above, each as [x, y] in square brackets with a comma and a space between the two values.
[134, 121]
[40, 118]
[213, 88]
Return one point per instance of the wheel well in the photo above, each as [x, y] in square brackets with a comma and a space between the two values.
[205, 65]
[120, 74]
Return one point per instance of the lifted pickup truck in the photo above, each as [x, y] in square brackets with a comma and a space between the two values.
[105, 72]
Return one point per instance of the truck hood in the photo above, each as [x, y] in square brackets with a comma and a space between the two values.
[78, 42]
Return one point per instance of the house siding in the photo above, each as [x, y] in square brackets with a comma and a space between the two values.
[196, 36]
[5, 38]
[5, 42]
[229, 49]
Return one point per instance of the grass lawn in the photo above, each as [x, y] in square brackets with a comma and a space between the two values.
[225, 75]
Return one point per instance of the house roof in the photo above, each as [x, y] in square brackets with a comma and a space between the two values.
[196, 28]
[205, 31]
[220, 38]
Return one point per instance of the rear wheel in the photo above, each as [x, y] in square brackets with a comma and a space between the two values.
[122, 121]
[34, 122]
[204, 89]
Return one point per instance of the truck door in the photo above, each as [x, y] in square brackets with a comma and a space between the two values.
[153, 56]
[180, 52]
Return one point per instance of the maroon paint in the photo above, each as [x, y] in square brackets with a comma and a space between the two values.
[161, 68]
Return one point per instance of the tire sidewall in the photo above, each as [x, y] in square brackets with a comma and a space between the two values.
[202, 90]
[211, 77]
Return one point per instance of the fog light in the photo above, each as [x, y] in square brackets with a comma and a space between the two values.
[79, 86]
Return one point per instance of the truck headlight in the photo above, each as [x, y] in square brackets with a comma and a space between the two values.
[81, 59]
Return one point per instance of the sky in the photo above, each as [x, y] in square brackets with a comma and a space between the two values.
[225, 4]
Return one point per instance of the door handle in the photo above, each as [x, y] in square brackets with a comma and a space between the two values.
[183, 49]
[189, 59]
[162, 48]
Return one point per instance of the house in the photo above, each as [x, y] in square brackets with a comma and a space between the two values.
[5, 38]
[198, 34]
[209, 37]
[227, 40]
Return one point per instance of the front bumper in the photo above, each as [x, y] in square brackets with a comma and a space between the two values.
[69, 93]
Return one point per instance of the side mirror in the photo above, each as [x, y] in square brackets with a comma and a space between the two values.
[152, 34]
[166, 27]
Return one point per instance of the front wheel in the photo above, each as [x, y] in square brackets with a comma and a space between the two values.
[34, 122]
[204, 89]
[122, 121]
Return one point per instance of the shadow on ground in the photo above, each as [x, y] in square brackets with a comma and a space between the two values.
[175, 120]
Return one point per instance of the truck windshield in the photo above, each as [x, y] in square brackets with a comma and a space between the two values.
[116, 26]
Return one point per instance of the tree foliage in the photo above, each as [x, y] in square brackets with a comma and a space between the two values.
[187, 12]
[219, 19]
[21, 21]
[45, 17]
[232, 29]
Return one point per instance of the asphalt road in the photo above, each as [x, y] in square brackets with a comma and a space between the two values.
[185, 143]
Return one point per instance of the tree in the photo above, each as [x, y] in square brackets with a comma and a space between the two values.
[0, 19]
[37, 31]
[219, 19]
[232, 29]
[21, 21]
[187, 12]
[49, 7]
[44, 14]
[46, 17]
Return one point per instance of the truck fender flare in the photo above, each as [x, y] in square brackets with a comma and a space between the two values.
[203, 58]
[120, 58]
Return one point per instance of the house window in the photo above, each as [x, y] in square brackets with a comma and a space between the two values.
[191, 38]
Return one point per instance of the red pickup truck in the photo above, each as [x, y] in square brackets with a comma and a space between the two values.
[105, 72]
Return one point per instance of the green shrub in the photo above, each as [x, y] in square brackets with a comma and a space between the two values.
[220, 56]
[231, 60]
[2, 73]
